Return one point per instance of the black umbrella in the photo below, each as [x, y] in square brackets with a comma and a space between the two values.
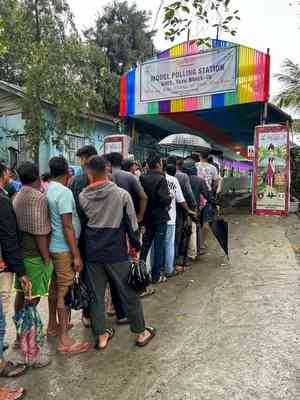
[219, 228]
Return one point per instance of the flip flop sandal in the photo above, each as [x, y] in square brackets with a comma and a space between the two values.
[152, 332]
[17, 394]
[76, 348]
[41, 363]
[10, 370]
[111, 313]
[111, 333]
[20, 396]
[148, 293]
[5, 346]
[123, 321]
[173, 274]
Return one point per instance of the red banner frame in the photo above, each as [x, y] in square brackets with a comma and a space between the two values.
[272, 129]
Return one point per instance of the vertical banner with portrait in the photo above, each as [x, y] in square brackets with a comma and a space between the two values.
[271, 181]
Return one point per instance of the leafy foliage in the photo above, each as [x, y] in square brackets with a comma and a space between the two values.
[289, 96]
[52, 64]
[180, 14]
[121, 33]
[296, 125]
[46, 56]
[3, 47]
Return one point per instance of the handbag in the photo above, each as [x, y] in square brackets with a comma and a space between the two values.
[139, 279]
[79, 296]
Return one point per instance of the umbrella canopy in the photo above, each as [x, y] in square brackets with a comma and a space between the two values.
[219, 228]
[185, 141]
[29, 329]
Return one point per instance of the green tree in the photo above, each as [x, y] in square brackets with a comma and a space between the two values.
[51, 63]
[3, 46]
[289, 95]
[296, 125]
[121, 32]
[179, 15]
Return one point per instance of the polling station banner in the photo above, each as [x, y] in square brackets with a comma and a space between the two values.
[202, 74]
[271, 181]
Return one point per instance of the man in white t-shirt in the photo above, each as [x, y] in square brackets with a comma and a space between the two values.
[208, 172]
[177, 197]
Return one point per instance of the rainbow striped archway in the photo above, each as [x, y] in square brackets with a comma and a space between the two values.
[253, 76]
[225, 118]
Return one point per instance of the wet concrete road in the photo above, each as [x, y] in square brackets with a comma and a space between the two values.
[226, 332]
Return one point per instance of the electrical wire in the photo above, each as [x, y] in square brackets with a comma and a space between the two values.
[157, 14]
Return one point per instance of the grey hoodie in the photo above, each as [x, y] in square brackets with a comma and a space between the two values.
[110, 214]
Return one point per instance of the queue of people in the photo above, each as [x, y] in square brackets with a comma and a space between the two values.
[95, 224]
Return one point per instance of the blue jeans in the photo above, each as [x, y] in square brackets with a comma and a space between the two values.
[2, 329]
[170, 248]
[155, 234]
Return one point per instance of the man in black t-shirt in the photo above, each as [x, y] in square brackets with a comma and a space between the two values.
[130, 183]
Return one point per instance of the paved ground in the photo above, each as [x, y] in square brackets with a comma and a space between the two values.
[226, 331]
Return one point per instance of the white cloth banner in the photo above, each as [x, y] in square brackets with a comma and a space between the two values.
[202, 74]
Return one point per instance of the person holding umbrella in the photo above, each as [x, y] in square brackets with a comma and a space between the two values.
[156, 215]
[7, 368]
[31, 209]
[181, 217]
[199, 188]
[12, 257]
[210, 174]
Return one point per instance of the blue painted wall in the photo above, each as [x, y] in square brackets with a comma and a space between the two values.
[15, 123]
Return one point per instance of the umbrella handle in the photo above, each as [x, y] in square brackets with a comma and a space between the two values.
[28, 296]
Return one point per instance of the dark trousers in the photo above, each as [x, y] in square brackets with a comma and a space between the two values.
[199, 238]
[115, 298]
[179, 258]
[156, 234]
[2, 329]
[97, 278]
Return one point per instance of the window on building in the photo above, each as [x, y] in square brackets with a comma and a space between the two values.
[73, 144]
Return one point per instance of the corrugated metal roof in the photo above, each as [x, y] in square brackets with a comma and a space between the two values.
[9, 105]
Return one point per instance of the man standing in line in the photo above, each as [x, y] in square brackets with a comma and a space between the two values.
[79, 182]
[212, 162]
[12, 257]
[31, 209]
[7, 368]
[210, 174]
[110, 216]
[129, 182]
[64, 252]
[156, 215]
[183, 179]
[77, 185]
[199, 188]
[177, 199]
